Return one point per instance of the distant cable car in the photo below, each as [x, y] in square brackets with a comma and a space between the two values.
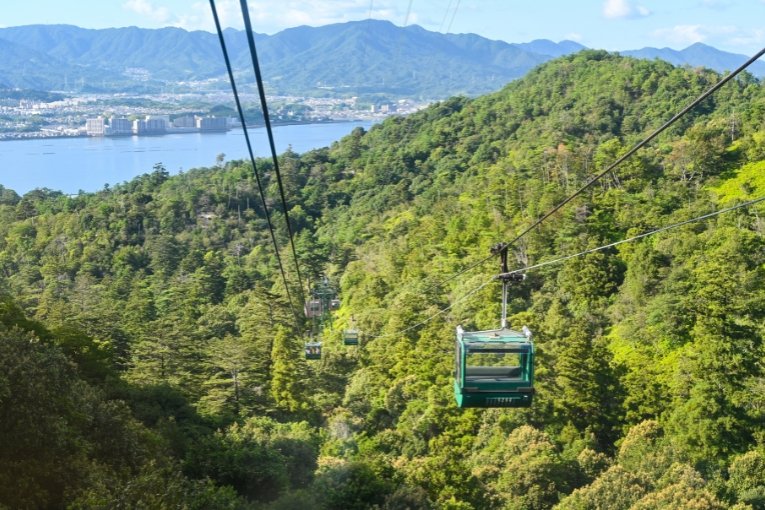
[313, 350]
[495, 368]
[351, 337]
[312, 308]
[334, 304]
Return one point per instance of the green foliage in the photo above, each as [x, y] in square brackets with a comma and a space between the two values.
[165, 292]
[746, 478]
[160, 487]
[525, 471]
[747, 184]
[259, 459]
[285, 387]
[230, 388]
[649, 474]
[354, 486]
[65, 444]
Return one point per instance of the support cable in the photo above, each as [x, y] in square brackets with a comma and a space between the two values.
[454, 14]
[437, 314]
[616, 163]
[523, 270]
[640, 145]
[252, 157]
[639, 236]
[446, 15]
[267, 120]
[408, 12]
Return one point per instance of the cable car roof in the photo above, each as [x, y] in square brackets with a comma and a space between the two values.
[494, 335]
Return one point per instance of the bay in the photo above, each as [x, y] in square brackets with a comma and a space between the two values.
[73, 164]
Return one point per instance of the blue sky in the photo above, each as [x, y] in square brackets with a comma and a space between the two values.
[732, 25]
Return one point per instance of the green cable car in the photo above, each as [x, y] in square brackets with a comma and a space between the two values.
[494, 368]
[313, 350]
[351, 337]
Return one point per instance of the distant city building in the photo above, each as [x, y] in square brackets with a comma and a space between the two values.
[120, 126]
[164, 118]
[212, 123]
[187, 121]
[149, 126]
[383, 108]
[155, 126]
[95, 127]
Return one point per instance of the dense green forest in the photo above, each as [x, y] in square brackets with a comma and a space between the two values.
[150, 359]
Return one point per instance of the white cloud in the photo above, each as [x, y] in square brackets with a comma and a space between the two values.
[617, 9]
[574, 36]
[269, 17]
[196, 16]
[200, 16]
[748, 38]
[146, 8]
[643, 11]
[723, 35]
[272, 16]
[681, 34]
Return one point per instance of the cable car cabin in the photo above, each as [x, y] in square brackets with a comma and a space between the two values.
[334, 304]
[494, 368]
[351, 337]
[312, 308]
[313, 350]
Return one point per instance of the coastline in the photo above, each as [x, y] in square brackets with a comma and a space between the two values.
[38, 135]
[70, 164]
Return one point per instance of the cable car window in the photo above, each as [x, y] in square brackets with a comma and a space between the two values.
[492, 364]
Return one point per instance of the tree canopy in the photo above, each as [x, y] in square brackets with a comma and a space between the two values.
[149, 356]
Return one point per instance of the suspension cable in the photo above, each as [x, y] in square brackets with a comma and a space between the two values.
[526, 269]
[252, 157]
[633, 150]
[446, 15]
[616, 163]
[639, 236]
[408, 12]
[454, 14]
[267, 120]
[437, 314]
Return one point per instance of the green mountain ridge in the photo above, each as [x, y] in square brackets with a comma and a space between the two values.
[344, 59]
[373, 56]
[650, 365]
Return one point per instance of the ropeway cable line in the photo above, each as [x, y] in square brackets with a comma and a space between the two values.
[267, 121]
[252, 157]
[533, 267]
[613, 165]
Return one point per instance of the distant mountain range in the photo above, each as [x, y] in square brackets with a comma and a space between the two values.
[354, 58]
[699, 54]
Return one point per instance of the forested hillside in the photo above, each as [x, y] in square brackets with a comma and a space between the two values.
[149, 357]
[343, 59]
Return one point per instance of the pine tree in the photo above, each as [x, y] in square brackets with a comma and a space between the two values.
[286, 389]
